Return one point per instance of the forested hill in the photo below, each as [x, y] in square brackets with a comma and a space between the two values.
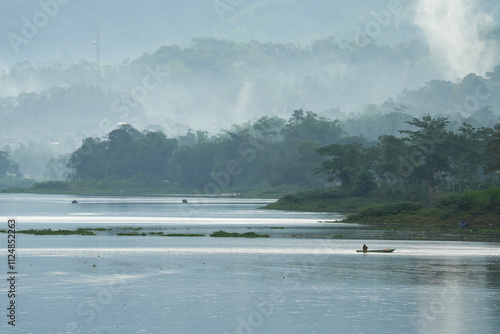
[55, 120]
[214, 84]
[353, 62]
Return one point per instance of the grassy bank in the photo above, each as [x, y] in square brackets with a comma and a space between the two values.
[321, 200]
[479, 209]
[474, 210]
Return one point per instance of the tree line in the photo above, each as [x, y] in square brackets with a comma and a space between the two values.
[306, 150]
[423, 161]
[8, 168]
[267, 152]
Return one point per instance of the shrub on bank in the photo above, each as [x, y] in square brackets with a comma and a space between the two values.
[475, 201]
[389, 209]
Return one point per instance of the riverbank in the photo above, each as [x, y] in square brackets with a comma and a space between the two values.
[393, 220]
[143, 188]
[469, 215]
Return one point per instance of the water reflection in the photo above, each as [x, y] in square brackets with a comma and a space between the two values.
[217, 285]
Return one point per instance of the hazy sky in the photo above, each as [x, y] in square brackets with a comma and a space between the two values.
[48, 29]
[456, 32]
[35, 30]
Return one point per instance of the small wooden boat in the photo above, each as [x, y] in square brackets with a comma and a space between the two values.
[387, 250]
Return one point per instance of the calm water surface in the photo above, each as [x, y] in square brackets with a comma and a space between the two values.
[115, 284]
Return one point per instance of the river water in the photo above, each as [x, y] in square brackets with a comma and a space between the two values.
[303, 279]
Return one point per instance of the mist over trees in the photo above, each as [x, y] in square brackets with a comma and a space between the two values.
[196, 88]
[307, 151]
[269, 151]
[8, 167]
[204, 89]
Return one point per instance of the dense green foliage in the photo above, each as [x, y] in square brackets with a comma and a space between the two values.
[418, 165]
[474, 201]
[78, 231]
[389, 209]
[307, 150]
[269, 152]
[125, 154]
[469, 215]
[321, 200]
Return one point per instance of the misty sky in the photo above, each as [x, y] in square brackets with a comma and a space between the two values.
[129, 28]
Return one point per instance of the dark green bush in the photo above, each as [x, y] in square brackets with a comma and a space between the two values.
[389, 209]
[473, 200]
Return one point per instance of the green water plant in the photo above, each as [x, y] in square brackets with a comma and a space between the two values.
[224, 234]
[78, 231]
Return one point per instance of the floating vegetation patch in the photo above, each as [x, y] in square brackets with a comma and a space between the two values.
[224, 234]
[277, 228]
[79, 231]
[132, 234]
[161, 234]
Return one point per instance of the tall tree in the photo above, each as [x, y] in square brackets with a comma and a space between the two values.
[468, 149]
[350, 164]
[493, 152]
[8, 167]
[429, 150]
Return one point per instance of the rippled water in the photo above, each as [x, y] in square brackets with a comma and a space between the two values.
[112, 284]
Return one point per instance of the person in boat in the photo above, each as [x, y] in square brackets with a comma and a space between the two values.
[365, 248]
